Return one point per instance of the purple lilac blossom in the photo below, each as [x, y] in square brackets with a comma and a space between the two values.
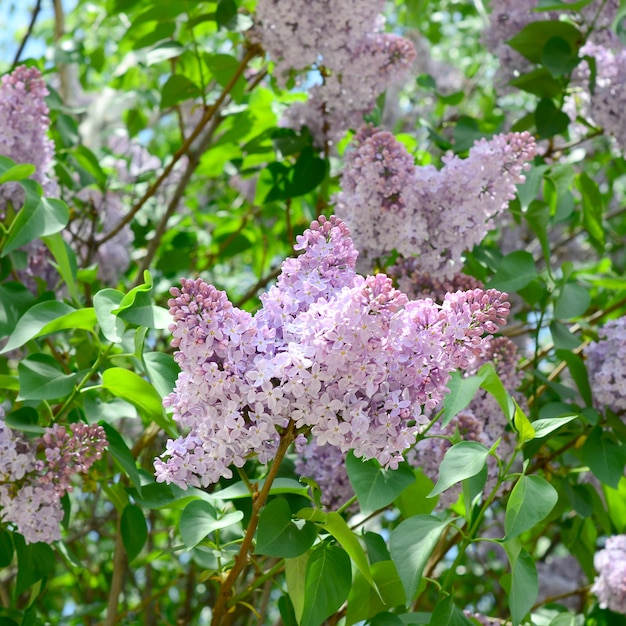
[31, 488]
[348, 358]
[389, 203]
[606, 366]
[610, 584]
[604, 105]
[326, 465]
[356, 61]
[482, 421]
[24, 123]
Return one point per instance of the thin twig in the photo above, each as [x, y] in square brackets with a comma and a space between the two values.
[29, 32]
[117, 580]
[251, 52]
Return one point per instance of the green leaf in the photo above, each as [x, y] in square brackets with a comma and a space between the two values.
[544, 427]
[522, 425]
[532, 39]
[139, 392]
[558, 57]
[593, 208]
[604, 457]
[200, 518]
[411, 544]
[226, 14]
[134, 530]
[562, 337]
[178, 88]
[162, 370]
[120, 452]
[25, 419]
[414, 499]
[328, 581]
[462, 391]
[539, 82]
[538, 217]
[524, 581]
[280, 485]
[163, 52]
[14, 302]
[295, 576]
[573, 301]
[531, 501]
[39, 217]
[515, 271]
[143, 312]
[6, 549]
[578, 371]
[35, 561]
[105, 302]
[16, 172]
[616, 504]
[549, 120]
[374, 486]
[279, 535]
[65, 258]
[42, 378]
[461, 461]
[34, 321]
[446, 613]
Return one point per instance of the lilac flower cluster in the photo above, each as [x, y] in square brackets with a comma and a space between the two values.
[326, 465]
[610, 584]
[389, 203]
[356, 61]
[101, 213]
[606, 366]
[24, 123]
[482, 421]
[604, 105]
[418, 284]
[31, 488]
[348, 358]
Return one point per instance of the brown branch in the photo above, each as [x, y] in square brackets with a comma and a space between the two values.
[193, 162]
[220, 613]
[117, 580]
[251, 52]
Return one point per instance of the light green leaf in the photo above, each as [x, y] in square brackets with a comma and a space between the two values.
[295, 575]
[34, 321]
[162, 371]
[17, 172]
[531, 501]
[66, 262]
[461, 461]
[544, 427]
[39, 217]
[411, 544]
[200, 518]
[105, 302]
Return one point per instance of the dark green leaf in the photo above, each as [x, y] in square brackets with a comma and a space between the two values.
[6, 548]
[446, 613]
[573, 301]
[134, 530]
[539, 82]
[279, 535]
[549, 120]
[178, 88]
[516, 270]
[328, 581]
[558, 57]
[374, 486]
[226, 14]
[604, 457]
[42, 378]
[120, 452]
[34, 562]
[531, 40]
